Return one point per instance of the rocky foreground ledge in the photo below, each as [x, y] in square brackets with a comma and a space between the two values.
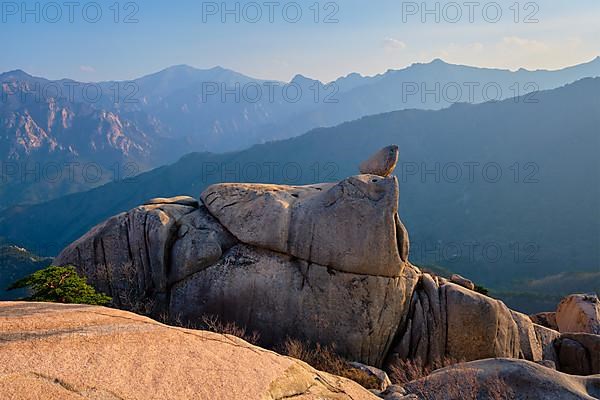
[64, 352]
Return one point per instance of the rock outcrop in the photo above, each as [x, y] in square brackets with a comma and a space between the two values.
[579, 313]
[547, 337]
[449, 321]
[381, 376]
[504, 378]
[464, 282]
[579, 353]
[323, 263]
[529, 344]
[135, 257]
[326, 263]
[62, 352]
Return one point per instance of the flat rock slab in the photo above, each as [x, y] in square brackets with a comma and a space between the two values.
[181, 200]
[58, 352]
[352, 226]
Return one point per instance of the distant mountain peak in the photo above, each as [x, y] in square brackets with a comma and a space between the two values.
[299, 79]
[438, 61]
[186, 67]
[17, 73]
[354, 75]
[179, 68]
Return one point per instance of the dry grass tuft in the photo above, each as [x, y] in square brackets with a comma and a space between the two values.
[324, 358]
[214, 324]
[461, 383]
[403, 371]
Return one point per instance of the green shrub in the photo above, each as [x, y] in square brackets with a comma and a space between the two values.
[60, 285]
[480, 289]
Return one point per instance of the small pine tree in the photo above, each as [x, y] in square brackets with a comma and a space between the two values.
[483, 290]
[60, 285]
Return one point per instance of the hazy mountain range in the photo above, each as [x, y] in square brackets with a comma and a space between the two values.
[61, 137]
[500, 191]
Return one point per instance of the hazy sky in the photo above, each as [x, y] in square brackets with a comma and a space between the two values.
[272, 41]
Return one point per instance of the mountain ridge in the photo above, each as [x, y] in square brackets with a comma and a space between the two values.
[510, 214]
[351, 74]
[154, 120]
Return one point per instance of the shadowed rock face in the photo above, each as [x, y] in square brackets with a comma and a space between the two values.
[547, 319]
[352, 226]
[579, 353]
[447, 320]
[135, 257]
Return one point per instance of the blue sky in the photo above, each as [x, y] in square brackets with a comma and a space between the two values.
[369, 37]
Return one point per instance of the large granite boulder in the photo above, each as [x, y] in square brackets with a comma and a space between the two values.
[504, 379]
[448, 321]
[62, 352]
[135, 257]
[578, 353]
[579, 313]
[352, 226]
[531, 348]
[547, 338]
[323, 263]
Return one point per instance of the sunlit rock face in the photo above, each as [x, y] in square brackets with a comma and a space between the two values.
[324, 263]
[352, 226]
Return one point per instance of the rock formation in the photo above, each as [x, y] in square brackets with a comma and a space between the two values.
[381, 163]
[324, 263]
[547, 338]
[579, 313]
[464, 282]
[136, 256]
[280, 296]
[63, 352]
[448, 321]
[579, 353]
[547, 319]
[352, 226]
